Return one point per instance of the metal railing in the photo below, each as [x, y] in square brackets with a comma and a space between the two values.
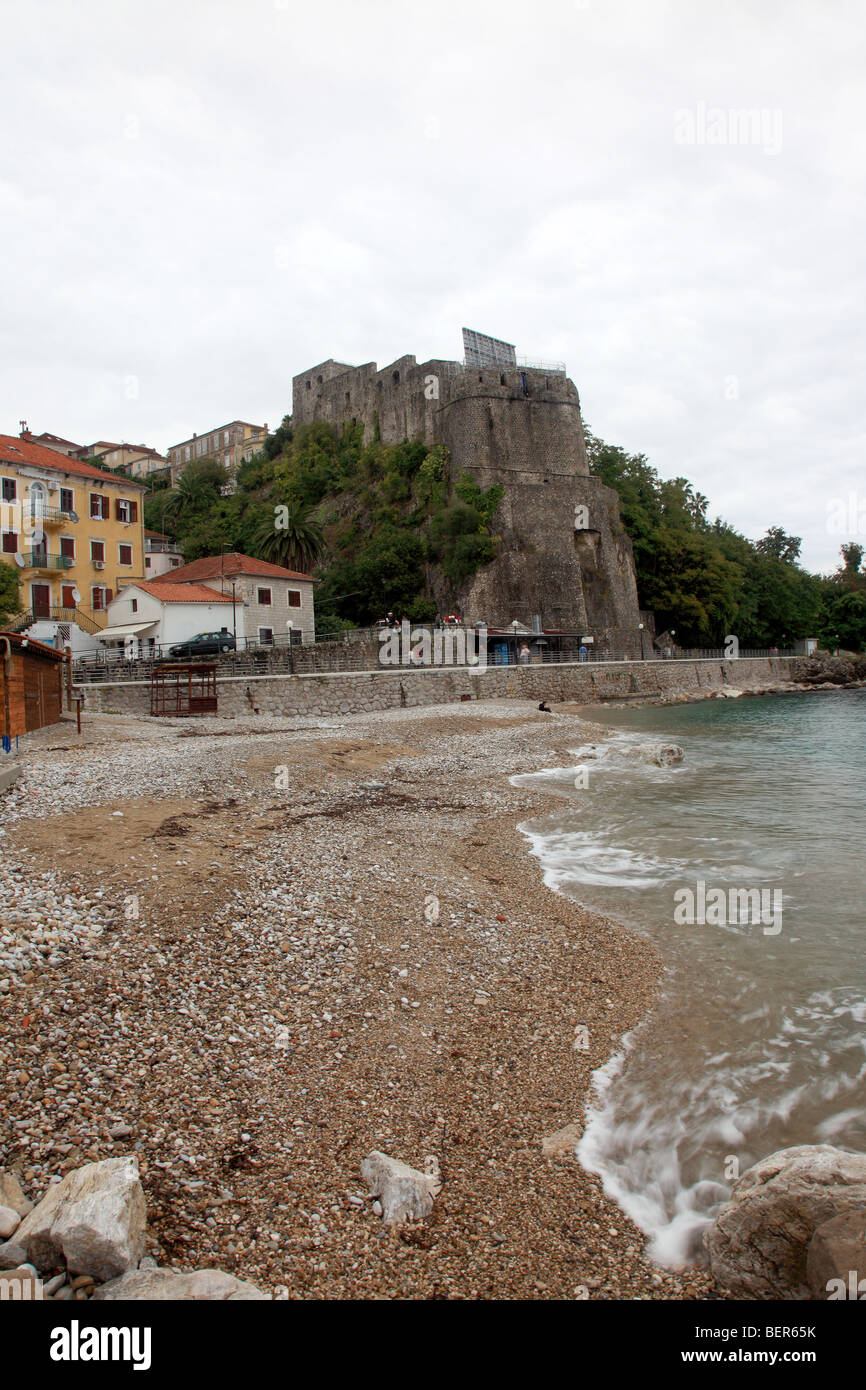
[45, 513]
[256, 658]
[41, 560]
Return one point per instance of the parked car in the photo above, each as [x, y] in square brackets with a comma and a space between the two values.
[204, 644]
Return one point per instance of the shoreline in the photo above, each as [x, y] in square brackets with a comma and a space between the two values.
[412, 991]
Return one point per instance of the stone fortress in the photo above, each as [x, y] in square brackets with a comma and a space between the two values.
[564, 561]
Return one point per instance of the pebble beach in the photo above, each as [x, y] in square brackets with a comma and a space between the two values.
[252, 951]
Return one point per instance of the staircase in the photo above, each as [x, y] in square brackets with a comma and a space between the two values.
[19, 621]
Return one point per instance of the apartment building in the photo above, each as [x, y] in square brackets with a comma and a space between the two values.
[75, 535]
[133, 460]
[53, 441]
[161, 554]
[230, 445]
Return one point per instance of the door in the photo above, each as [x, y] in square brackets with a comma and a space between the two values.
[40, 599]
[67, 595]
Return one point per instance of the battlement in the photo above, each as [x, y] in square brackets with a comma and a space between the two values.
[404, 399]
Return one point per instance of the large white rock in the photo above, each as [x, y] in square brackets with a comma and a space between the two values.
[165, 1284]
[93, 1221]
[758, 1244]
[405, 1193]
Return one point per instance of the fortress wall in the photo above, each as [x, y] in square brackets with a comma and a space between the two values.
[520, 428]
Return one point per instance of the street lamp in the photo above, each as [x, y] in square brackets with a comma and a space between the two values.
[290, 625]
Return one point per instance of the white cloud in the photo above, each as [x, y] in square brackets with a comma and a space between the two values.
[212, 196]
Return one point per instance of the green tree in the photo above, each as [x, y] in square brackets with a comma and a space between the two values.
[777, 545]
[9, 599]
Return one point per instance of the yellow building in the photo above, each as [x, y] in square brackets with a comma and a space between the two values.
[74, 534]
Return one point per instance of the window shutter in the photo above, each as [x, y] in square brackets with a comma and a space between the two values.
[116, 508]
[109, 595]
[133, 511]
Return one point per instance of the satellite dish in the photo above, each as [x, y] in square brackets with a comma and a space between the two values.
[19, 559]
[38, 538]
[73, 516]
[76, 594]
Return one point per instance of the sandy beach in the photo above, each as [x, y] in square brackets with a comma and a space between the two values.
[252, 951]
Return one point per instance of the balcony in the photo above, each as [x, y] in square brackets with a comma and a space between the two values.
[41, 560]
[49, 516]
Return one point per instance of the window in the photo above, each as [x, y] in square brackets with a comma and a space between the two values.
[266, 636]
[308, 386]
[147, 562]
[67, 596]
[174, 564]
[9, 491]
[124, 554]
[134, 603]
[294, 598]
[10, 542]
[67, 500]
[67, 547]
[225, 439]
[97, 598]
[186, 454]
[264, 597]
[97, 552]
[123, 510]
[99, 509]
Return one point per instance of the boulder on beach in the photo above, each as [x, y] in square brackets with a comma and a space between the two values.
[93, 1221]
[11, 1194]
[405, 1193]
[836, 1250]
[760, 1243]
[9, 1222]
[163, 1284]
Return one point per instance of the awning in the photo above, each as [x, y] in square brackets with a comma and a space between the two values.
[114, 634]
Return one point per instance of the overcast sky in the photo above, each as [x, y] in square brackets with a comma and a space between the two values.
[199, 200]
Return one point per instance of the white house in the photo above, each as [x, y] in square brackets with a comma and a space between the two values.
[153, 613]
[268, 597]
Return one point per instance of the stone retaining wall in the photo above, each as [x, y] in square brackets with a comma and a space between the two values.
[359, 692]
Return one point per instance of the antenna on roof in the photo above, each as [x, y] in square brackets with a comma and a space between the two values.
[24, 429]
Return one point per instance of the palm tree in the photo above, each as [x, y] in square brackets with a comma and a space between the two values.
[291, 537]
[198, 487]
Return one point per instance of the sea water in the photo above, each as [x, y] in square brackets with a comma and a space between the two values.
[758, 1039]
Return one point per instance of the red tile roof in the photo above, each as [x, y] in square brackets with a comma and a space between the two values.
[213, 566]
[169, 593]
[15, 450]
